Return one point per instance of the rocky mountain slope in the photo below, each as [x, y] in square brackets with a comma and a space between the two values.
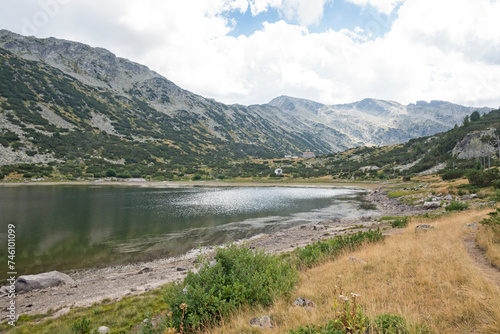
[66, 101]
[377, 122]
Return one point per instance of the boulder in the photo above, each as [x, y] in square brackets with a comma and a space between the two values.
[144, 270]
[304, 302]
[431, 205]
[264, 321]
[448, 198]
[472, 196]
[423, 227]
[103, 330]
[42, 281]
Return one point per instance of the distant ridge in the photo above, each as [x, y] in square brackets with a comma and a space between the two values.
[67, 101]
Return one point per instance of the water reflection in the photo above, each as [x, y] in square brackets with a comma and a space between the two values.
[71, 227]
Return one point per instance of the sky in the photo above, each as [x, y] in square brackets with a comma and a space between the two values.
[329, 51]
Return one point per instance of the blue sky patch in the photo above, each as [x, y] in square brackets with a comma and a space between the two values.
[336, 16]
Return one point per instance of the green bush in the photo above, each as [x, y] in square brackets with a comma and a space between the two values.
[400, 222]
[322, 251]
[496, 184]
[111, 173]
[81, 326]
[389, 324]
[196, 177]
[239, 277]
[457, 206]
[452, 174]
[482, 178]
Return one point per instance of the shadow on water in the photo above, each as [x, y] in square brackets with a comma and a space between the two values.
[75, 227]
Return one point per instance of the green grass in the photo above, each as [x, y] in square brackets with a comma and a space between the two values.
[121, 316]
[396, 194]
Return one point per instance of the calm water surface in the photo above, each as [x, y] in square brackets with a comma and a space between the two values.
[74, 227]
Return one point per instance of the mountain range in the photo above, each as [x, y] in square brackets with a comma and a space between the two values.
[62, 100]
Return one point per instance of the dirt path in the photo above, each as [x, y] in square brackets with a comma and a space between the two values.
[482, 263]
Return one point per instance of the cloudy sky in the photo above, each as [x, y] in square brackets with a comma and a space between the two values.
[330, 51]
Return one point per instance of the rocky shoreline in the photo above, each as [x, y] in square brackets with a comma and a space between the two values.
[115, 283]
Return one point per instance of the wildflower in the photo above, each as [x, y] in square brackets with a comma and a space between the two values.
[183, 306]
[354, 295]
[344, 298]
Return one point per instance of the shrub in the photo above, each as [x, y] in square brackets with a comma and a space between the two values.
[400, 222]
[457, 206]
[389, 324]
[239, 277]
[197, 177]
[452, 174]
[496, 184]
[482, 179]
[81, 326]
[322, 251]
[111, 173]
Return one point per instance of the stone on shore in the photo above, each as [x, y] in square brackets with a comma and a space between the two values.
[28, 283]
[431, 205]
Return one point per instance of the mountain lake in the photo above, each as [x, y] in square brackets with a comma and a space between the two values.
[67, 227]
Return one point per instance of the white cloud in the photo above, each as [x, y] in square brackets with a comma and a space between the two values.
[305, 12]
[446, 50]
[383, 6]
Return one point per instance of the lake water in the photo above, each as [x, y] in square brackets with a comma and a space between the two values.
[73, 227]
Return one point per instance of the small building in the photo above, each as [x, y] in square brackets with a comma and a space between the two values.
[308, 155]
[278, 171]
[288, 156]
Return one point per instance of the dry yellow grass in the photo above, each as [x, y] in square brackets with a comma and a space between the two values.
[426, 277]
[488, 238]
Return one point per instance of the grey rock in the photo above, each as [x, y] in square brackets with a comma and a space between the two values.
[472, 196]
[448, 198]
[318, 227]
[103, 330]
[423, 227]
[304, 302]
[470, 225]
[181, 269]
[42, 281]
[264, 321]
[431, 205]
[353, 259]
[144, 270]
[492, 203]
